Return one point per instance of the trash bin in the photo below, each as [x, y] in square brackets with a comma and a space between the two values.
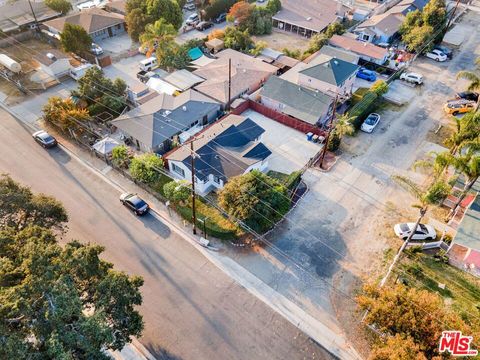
[315, 138]
[309, 136]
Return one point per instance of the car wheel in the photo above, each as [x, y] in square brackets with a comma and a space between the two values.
[437, 59]
[405, 238]
[455, 113]
[429, 238]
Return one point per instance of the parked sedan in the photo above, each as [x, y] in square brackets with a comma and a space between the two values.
[436, 55]
[203, 25]
[44, 139]
[220, 18]
[412, 78]
[446, 50]
[423, 232]
[370, 122]
[467, 95]
[134, 203]
[366, 74]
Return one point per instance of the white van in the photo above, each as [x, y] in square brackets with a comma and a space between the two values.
[79, 71]
[148, 64]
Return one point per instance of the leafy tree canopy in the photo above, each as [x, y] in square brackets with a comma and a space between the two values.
[177, 192]
[121, 156]
[237, 39]
[274, 6]
[75, 39]
[255, 198]
[61, 6]
[64, 114]
[145, 167]
[58, 302]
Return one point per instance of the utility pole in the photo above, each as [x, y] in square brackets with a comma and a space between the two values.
[329, 130]
[37, 28]
[194, 213]
[453, 14]
[229, 82]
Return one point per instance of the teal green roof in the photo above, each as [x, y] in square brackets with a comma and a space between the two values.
[195, 53]
[334, 71]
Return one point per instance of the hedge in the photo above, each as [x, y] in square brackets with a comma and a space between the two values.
[363, 108]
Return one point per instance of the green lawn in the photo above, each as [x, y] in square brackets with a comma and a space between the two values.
[290, 181]
[462, 290]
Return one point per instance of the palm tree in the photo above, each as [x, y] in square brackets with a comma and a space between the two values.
[473, 77]
[343, 125]
[422, 196]
[159, 35]
[467, 164]
[468, 130]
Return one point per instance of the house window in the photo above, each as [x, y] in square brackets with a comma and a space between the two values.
[216, 179]
[119, 26]
[178, 170]
[365, 37]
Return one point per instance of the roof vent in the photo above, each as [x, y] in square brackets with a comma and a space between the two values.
[51, 56]
[309, 18]
[184, 108]
[335, 62]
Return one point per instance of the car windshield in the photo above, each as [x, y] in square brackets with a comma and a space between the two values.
[371, 120]
[404, 227]
[137, 202]
[422, 228]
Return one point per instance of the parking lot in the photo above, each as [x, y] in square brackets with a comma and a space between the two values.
[290, 148]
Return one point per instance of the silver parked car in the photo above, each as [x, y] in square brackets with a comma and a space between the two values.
[423, 232]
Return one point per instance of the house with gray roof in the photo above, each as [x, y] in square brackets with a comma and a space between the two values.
[230, 147]
[158, 123]
[310, 106]
[333, 76]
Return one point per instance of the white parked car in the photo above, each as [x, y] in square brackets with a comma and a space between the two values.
[436, 55]
[193, 19]
[423, 232]
[412, 77]
[370, 122]
[96, 49]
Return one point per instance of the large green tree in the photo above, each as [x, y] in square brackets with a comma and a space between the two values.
[75, 39]
[61, 6]
[237, 39]
[145, 168]
[58, 302]
[167, 10]
[63, 113]
[255, 198]
[136, 21]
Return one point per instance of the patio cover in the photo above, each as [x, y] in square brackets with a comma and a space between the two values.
[105, 146]
[162, 86]
[200, 62]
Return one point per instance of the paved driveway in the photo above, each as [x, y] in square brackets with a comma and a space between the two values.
[290, 148]
[116, 44]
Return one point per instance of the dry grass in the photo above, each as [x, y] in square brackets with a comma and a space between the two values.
[280, 40]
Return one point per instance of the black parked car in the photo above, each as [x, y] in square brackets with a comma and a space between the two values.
[220, 18]
[467, 95]
[44, 139]
[446, 50]
[203, 25]
[134, 203]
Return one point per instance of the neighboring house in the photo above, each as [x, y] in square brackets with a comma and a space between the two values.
[309, 106]
[278, 59]
[53, 62]
[307, 18]
[333, 76]
[156, 124]
[380, 28]
[247, 75]
[227, 148]
[406, 6]
[183, 79]
[333, 52]
[465, 249]
[116, 6]
[15, 15]
[99, 24]
[364, 50]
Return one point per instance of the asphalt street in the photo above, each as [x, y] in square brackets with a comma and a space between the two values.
[192, 310]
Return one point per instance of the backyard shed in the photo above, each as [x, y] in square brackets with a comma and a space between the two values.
[215, 45]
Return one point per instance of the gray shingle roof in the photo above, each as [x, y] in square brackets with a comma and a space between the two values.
[334, 71]
[301, 103]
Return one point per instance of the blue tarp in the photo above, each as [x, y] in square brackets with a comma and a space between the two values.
[195, 53]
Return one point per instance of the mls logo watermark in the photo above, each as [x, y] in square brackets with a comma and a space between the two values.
[456, 344]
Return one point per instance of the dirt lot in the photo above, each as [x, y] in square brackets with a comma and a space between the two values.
[339, 234]
[280, 40]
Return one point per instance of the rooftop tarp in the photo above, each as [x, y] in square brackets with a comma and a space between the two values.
[105, 146]
[195, 53]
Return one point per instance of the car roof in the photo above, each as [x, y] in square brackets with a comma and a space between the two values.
[135, 200]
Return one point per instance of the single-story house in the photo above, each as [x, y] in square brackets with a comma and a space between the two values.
[53, 62]
[334, 52]
[116, 6]
[155, 125]
[183, 79]
[364, 50]
[227, 148]
[310, 106]
[307, 18]
[98, 23]
[333, 76]
[247, 75]
[380, 28]
[16, 15]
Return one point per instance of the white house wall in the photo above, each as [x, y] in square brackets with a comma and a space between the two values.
[324, 87]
